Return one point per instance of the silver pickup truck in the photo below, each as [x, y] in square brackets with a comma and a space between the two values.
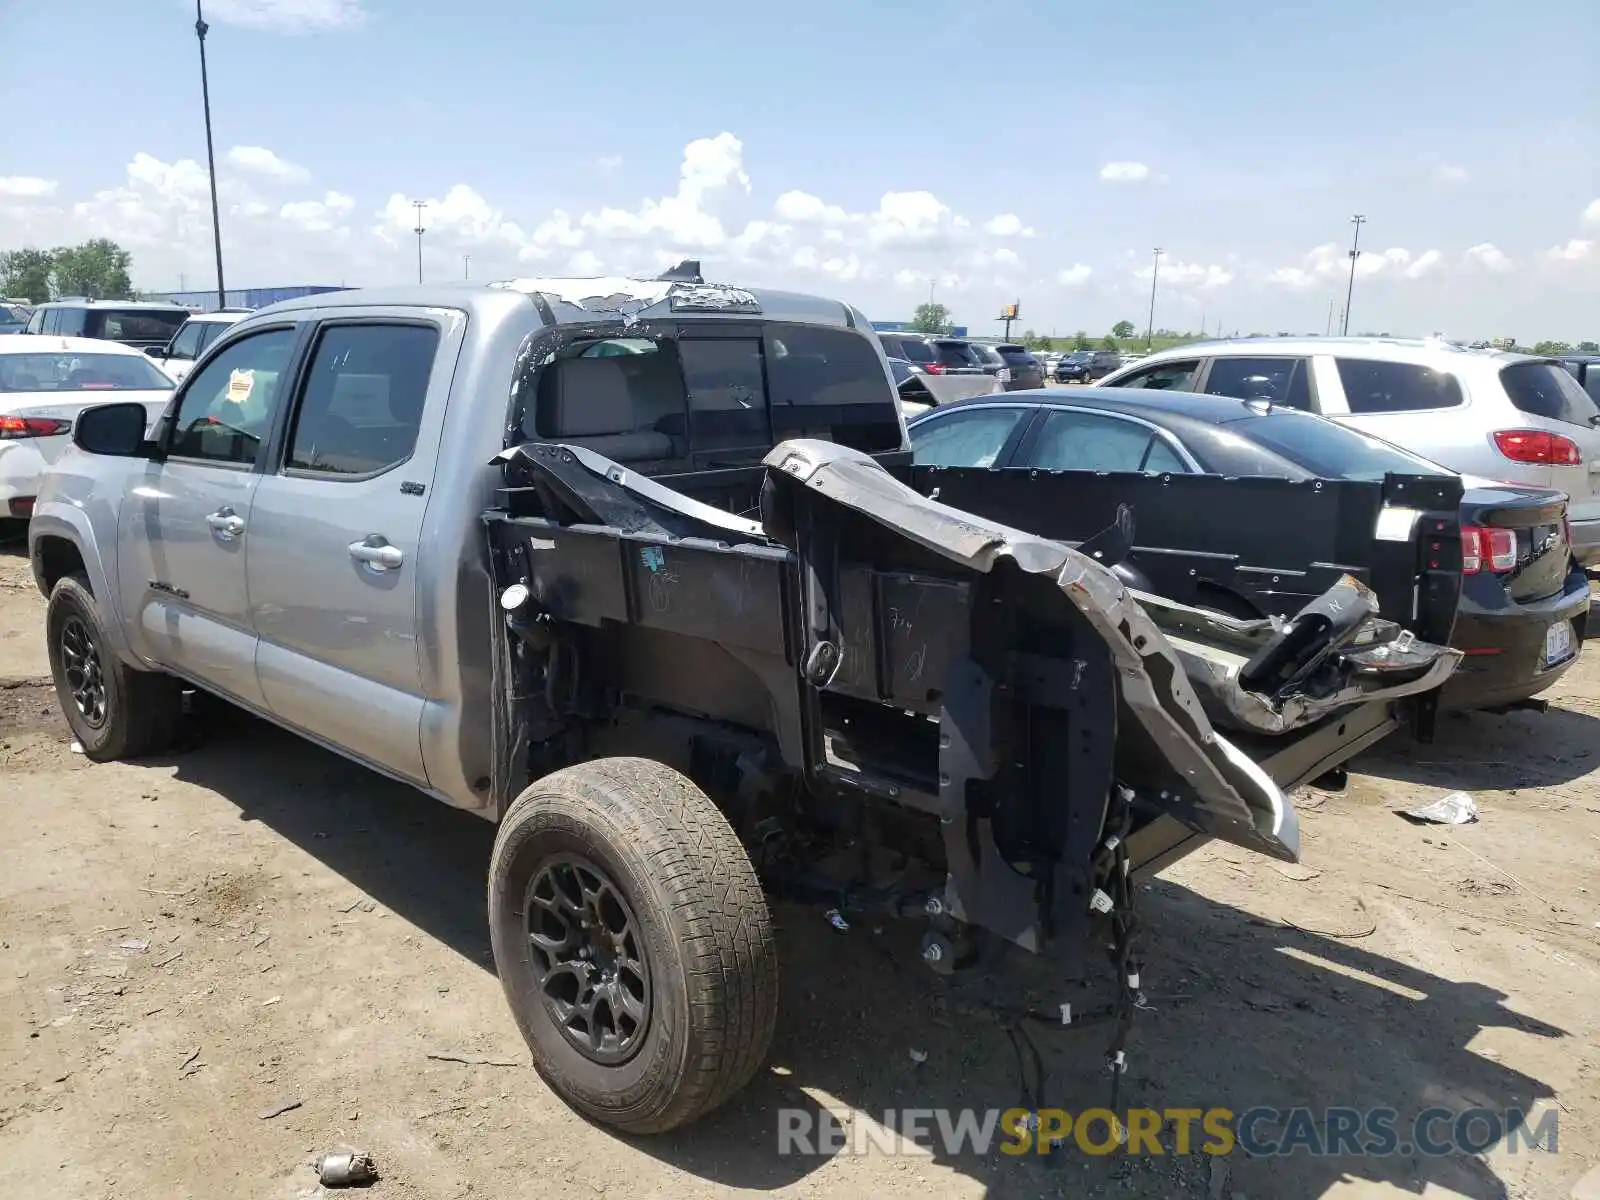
[636, 568]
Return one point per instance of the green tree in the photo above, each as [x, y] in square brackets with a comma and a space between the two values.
[1122, 329]
[1080, 341]
[26, 274]
[931, 318]
[1552, 348]
[1108, 342]
[1589, 347]
[97, 269]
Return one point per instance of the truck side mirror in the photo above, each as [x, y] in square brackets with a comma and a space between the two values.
[113, 429]
[156, 351]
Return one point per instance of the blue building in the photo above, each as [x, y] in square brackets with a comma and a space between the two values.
[244, 297]
[905, 327]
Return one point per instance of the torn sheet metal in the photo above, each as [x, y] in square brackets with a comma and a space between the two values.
[1231, 797]
[604, 294]
[1376, 661]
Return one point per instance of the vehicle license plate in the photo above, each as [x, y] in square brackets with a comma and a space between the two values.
[1557, 643]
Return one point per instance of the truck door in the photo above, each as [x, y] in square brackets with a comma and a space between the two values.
[336, 530]
[185, 523]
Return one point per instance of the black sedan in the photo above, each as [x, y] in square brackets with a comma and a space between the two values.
[1524, 600]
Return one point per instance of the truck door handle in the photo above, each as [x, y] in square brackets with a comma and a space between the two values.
[225, 523]
[376, 554]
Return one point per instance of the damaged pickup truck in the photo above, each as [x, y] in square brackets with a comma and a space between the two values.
[634, 569]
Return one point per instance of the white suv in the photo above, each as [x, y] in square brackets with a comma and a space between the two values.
[1504, 416]
[192, 338]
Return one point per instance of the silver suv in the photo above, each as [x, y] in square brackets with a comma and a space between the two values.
[1488, 413]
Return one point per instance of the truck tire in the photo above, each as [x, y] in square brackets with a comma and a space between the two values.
[115, 711]
[633, 942]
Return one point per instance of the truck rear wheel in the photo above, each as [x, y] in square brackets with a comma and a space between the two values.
[633, 942]
[114, 711]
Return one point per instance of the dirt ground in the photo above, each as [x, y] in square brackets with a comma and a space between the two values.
[188, 944]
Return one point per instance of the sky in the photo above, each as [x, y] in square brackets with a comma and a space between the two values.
[879, 151]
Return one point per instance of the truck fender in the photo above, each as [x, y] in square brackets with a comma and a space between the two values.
[61, 542]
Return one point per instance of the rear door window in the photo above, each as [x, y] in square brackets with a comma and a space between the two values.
[725, 379]
[1373, 386]
[972, 437]
[918, 351]
[361, 407]
[1549, 390]
[1279, 381]
[70, 322]
[957, 354]
[1077, 441]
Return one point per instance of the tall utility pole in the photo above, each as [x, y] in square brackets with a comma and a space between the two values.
[200, 28]
[466, 266]
[1155, 273]
[1355, 252]
[1329, 330]
[419, 205]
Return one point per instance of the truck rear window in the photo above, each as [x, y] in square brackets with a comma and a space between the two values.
[133, 325]
[1548, 390]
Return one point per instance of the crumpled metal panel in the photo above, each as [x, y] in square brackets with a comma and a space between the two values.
[1232, 798]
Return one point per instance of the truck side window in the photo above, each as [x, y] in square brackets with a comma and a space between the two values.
[228, 407]
[361, 408]
[187, 342]
[727, 389]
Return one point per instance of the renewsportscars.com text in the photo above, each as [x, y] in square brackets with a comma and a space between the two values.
[1260, 1131]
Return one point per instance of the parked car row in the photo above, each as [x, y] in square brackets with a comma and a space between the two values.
[1012, 365]
[1524, 601]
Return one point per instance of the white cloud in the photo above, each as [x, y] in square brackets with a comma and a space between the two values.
[608, 164]
[1575, 250]
[1330, 262]
[258, 160]
[26, 187]
[803, 207]
[1075, 275]
[1185, 275]
[462, 218]
[318, 216]
[1006, 257]
[1488, 256]
[1450, 174]
[1007, 225]
[1425, 263]
[1591, 214]
[1124, 172]
[288, 16]
[710, 168]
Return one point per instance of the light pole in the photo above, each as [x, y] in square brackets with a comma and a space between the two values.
[419, 205]
[1355, 252]
[1150, 329]
[200, 28]
[466, 266]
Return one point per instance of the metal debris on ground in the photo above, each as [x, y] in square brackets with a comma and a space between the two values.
[1457, 808]
[346, 1169]
[190, 1060]
[836, 919]
[137, 944]
[77, 747]
[919, 1056]
[277, 1110]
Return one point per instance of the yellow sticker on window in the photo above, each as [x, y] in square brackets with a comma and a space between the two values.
[239, 385]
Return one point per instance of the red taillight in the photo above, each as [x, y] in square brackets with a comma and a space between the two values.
[933, 368]
[1537, 446]
[21, 507]
[1487, 550]
[12, 428]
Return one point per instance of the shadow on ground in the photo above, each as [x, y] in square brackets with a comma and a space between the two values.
[1245, 1012]
[1492, 752]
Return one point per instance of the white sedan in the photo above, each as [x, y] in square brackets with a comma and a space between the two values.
[45, 382]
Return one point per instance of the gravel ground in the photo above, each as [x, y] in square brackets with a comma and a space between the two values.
[189, 943]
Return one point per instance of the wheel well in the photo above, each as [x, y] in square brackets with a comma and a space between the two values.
[56, 558]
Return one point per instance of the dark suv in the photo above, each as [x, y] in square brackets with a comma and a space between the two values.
[1026, 370]
[142, 325]
[1085, 366]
